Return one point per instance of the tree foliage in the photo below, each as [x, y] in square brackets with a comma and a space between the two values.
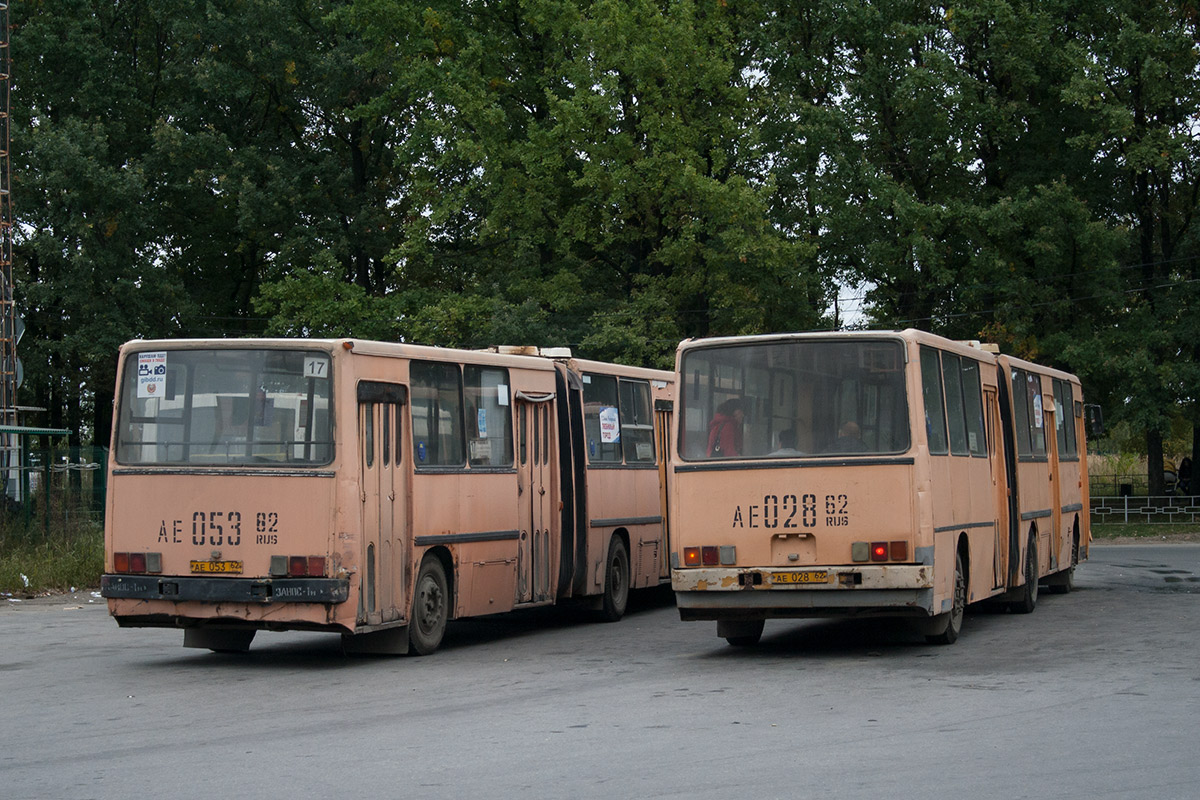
[610, 174]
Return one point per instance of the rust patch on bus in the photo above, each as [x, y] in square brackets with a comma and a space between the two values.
[728, 580]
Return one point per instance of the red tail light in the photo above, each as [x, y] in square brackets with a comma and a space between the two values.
[710, 556]
[316, 566]
[298, 566]
[691, 556]
[879, 551]
[137, 562]
[899, 551]
[120, 562]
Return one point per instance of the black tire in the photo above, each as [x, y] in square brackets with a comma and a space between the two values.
[1064, 582]
[954, 617]
[430, 609]
[748, 635]
[1027, 600]
[616, 581]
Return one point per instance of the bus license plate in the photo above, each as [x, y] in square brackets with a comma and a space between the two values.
[812, 576]
[225, 567]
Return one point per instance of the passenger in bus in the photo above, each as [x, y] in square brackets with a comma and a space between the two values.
[787, 444]
[725, 430]
[850, 439]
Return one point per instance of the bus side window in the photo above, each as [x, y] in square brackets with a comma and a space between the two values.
[437, 414]
[955, 406]
[1064, 418]
[973, 406]
[935, 410]
[601, 419]
[489, 421]
[1021, 412]
[637, 424]
[1037, 428]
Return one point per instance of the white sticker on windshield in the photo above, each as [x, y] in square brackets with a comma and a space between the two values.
[151, 375]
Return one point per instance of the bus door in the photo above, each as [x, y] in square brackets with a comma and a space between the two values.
[1000, 486]
[534, 459]
[1050, 411]
[382, 496]
[662, 423]
[1006, 443]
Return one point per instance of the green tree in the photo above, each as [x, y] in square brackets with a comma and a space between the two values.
[594, 178]
[1137, 79]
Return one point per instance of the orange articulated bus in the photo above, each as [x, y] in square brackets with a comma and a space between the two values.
[375, 489]
[871, 473]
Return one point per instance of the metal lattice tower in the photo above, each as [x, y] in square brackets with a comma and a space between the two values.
[8, 313]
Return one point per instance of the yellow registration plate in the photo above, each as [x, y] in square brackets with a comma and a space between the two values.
[224, 567]
[812, 576]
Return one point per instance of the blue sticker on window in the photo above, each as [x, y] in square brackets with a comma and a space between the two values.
[420, 451]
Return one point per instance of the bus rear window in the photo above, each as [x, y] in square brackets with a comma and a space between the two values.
[793, 399]
[223, 407]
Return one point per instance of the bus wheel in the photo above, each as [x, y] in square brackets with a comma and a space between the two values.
[616, 581]
[740, 633]
[953, 618]
[1027, 600]
[431, 608]
[1064, 581]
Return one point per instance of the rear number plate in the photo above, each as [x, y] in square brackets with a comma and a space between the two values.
[224, 567]
[813, 576]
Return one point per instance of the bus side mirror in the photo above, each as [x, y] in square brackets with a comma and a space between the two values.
[1093, 421]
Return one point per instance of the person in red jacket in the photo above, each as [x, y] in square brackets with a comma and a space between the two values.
[725, 430]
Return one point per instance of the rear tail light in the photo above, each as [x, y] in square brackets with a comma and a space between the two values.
[879, 551]
[298, 566]
[710, 556]
[137, 563]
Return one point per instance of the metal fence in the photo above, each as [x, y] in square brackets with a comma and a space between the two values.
[1165, 510]
[57, 484]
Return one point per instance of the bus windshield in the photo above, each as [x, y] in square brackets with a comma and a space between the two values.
[223, 407]
[791, 399]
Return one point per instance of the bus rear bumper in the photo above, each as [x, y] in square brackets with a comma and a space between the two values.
[257, 591]
[732, 593]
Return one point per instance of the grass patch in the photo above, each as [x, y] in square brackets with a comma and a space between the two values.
[1141, 530]
[35, 561]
